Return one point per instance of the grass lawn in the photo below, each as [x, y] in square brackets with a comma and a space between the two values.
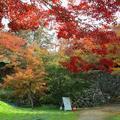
[115, 117]
[8, 112]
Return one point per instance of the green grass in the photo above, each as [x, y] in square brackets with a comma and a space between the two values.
[8, 112]
[114, 117]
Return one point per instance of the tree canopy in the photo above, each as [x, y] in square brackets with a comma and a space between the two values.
[79, 20]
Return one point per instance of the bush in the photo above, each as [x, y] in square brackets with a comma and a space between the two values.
[63, 83]
[85, 89]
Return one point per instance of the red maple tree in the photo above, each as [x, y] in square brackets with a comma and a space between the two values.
[71, 22]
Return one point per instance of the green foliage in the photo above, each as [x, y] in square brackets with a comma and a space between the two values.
[62, 83]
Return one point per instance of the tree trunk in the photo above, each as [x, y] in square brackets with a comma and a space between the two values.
[30, 97]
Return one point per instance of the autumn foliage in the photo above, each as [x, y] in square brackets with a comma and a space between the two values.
[69, 22]
[87, 41]
[28, 70]
[30, 16]
[101, 53]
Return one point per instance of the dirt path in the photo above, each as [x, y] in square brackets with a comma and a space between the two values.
[99, 113]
